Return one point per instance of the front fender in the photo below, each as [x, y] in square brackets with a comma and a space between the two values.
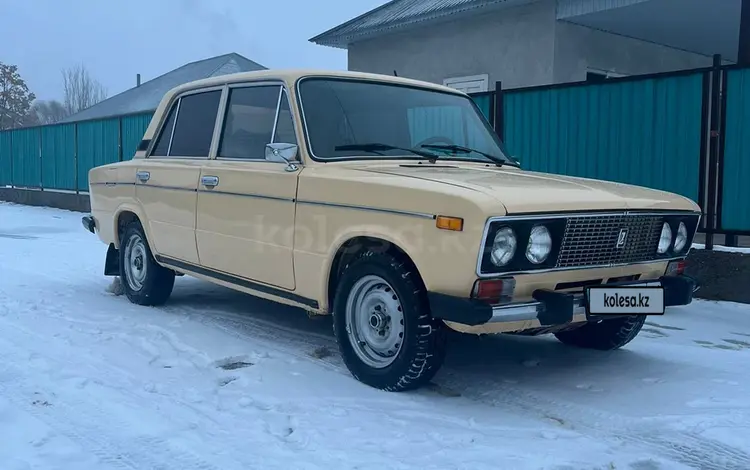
[369, 231]
[437, 254]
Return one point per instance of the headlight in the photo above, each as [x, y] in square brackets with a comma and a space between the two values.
[540, 244]
[681, 240]
[503, 247]
[665, 240]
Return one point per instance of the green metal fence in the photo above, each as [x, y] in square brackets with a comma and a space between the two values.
[131, 132]
[645, 132]
[98, 144]
[650, 131]
[735, 191]
[484, 103]
[26, 158]
[6, 168]
[665, 131]
[59, 156]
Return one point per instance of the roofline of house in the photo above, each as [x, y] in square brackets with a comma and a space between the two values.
[72, 118]
[334, 38]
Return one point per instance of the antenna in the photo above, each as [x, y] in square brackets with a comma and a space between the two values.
[395, 74]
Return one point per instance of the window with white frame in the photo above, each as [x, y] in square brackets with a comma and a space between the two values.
[469, 84]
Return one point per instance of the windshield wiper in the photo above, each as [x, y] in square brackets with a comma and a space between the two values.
[460, 148]
[378, 147]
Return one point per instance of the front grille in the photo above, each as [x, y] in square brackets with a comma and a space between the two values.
[593, 240]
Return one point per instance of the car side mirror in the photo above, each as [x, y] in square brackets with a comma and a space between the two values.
[282, 153]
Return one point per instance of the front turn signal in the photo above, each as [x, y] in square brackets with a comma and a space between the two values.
[450, 223]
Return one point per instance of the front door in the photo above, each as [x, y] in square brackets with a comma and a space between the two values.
[167, 179]
[246, 204]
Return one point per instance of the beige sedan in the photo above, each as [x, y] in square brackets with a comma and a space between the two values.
[391, 204]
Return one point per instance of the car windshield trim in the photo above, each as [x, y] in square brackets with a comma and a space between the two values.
[503, 154]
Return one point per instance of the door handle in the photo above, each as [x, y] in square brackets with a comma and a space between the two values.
[143, 176]
[209, 181]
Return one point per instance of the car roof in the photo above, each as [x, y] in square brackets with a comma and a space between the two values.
[290, 76]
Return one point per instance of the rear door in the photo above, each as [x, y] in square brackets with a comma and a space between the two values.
[167, 179]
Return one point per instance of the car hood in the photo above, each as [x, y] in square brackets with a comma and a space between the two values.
[525, 191]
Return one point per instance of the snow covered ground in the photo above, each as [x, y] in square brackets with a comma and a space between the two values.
[729, 249]
[220, 380]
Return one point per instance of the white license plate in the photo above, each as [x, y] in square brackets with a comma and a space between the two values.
[626, 300]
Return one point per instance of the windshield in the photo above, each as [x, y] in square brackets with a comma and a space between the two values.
[356, 118]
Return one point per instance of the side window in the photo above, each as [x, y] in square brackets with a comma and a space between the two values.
[248, 126]
[162, 142]
[285, 124]
[195, 124]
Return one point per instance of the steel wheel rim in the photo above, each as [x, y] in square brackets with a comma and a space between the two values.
[374, 321]
[135, 263]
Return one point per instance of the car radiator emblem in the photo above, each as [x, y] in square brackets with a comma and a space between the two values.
[622, 238]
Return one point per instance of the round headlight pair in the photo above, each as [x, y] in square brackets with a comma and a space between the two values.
[504, 245]
[665, 239]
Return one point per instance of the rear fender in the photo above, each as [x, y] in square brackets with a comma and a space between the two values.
[138, 211]
[112, 262]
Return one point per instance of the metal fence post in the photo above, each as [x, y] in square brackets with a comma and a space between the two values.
[713, 151]
[499, 121]
[703, 155]
[10, 136]
[41, 162]
[75, 155]
[729, 239]
[119, 139]
[491, 113]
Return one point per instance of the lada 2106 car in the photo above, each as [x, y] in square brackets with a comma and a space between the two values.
[390, 204]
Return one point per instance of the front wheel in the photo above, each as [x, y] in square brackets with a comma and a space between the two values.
[144, 281]
[383, 326]
[605, 335]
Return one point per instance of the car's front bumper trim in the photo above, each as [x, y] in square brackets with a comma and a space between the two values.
[550, 308]
[537, 310]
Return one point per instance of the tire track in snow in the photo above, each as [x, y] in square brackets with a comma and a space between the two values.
[90, 429]
[136, 453]
[93, 429]
[679, 446]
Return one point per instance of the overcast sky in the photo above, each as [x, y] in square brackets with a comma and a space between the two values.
[116, 39]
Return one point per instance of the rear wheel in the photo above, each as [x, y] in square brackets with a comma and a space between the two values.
[144, 281]
[383, 326]
[605, 335]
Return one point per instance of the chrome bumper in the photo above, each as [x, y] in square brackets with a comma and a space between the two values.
[550, 308]
[532, 310]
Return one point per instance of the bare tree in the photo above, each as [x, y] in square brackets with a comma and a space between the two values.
[49, 112]
[81, 91]
[15, 98]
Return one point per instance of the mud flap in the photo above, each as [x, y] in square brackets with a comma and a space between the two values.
[112, 262]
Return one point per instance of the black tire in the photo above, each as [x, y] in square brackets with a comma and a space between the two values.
[424, 339]
[155, 286]
[605, 335]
